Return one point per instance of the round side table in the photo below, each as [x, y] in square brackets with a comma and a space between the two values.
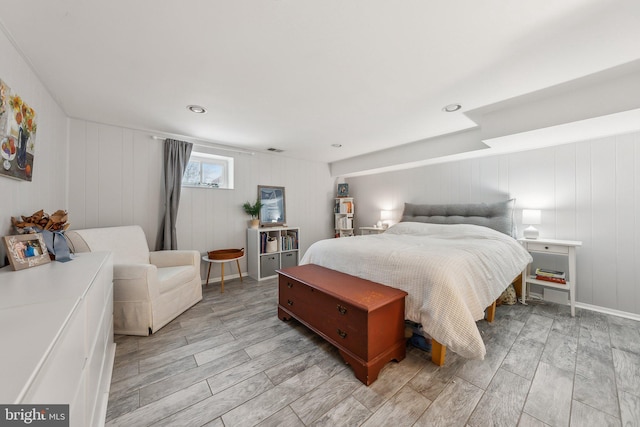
[221, 262]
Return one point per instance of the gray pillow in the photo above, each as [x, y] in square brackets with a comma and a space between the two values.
[498, 216]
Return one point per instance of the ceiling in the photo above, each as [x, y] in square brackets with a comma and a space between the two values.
[301, 76]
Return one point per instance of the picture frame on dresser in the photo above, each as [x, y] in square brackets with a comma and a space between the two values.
[26, 250]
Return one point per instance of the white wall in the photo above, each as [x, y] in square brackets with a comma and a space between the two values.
[115, 179]
[588, 191]
[47, 190]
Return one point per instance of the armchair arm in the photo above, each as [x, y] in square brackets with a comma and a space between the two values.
[135, 282]
[175, 258]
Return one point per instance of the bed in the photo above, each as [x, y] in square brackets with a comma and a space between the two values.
[452, 260]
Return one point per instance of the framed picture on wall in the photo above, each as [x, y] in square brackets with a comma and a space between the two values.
[26, 250]
[17, 135]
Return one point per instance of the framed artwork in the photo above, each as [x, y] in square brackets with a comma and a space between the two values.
[273, 211]
[343, 190]
[17, 135]
[26, 250]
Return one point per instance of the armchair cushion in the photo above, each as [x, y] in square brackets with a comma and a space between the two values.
[171, 277]
[174, 258]
[150, 288]
[137, 278]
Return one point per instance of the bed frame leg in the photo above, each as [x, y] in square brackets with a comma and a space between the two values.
[517, 285]
[491, 312]
[438, 352]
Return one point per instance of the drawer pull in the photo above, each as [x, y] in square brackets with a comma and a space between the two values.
[546, 247]
[289, 302]
[289, 285]
[342, 333]
[341, 309]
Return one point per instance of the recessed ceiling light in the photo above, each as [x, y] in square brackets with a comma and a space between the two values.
[196, 109]
[451, 108]
[336, 145]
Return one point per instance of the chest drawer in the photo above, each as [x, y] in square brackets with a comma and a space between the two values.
[294, 295]
[290, 287]
[337, 320]
[549, 248]
[340, 322]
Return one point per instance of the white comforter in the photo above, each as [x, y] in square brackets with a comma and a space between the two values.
[451, 272]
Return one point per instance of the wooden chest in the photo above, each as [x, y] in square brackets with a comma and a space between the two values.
[363, 319]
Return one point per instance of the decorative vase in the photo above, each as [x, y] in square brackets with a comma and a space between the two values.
[23, 139]
[254, 223]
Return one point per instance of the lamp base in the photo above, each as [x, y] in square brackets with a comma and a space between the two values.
[530, 232]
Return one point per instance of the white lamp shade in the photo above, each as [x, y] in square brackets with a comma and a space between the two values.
[385, 218]
[531, 216]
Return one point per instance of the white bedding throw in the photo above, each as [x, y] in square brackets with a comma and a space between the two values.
[451, 272]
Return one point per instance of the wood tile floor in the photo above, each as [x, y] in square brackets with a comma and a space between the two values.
[229, 361]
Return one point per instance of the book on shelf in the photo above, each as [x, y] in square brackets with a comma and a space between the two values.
[346, 208]
[289, 241]
[550, 273]
[558, 280]
[344, 223]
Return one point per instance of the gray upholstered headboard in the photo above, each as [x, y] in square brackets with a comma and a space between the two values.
[498, 216]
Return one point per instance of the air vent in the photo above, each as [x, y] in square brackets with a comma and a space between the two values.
[275, 150]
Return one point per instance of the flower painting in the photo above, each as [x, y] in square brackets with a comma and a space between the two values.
[17, 135]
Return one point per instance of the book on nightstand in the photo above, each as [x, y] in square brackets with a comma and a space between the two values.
[554, 276]
[552, 279]
[550, 273]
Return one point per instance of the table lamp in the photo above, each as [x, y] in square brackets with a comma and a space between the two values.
[531, 217]
[385, 216]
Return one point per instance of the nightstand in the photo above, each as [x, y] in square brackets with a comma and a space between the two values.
[565, 248]
[371, 230]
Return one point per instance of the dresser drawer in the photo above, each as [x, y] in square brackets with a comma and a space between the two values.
[545, 247]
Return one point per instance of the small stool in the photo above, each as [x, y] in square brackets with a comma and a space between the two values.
[220, 257]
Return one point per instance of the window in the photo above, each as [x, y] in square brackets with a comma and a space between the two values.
[208, 171]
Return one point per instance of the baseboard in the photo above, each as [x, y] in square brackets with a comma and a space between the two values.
[610, 311]
[596, 308]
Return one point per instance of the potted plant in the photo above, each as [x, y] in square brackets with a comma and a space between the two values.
[254, 211]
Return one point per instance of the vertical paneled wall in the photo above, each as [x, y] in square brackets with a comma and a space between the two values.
[588, 191]
[48, 188]
[115, 179]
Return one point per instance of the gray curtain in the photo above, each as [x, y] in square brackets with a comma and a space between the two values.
[175, 160]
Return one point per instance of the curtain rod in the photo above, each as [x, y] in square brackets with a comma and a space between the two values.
[208, 145]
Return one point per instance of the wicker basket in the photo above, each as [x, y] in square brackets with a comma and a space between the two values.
[226, 254]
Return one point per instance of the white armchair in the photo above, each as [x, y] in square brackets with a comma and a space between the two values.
[149, 288]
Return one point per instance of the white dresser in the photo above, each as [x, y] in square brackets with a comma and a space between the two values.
[56, 329]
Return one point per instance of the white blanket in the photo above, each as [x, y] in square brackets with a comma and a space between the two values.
[451, 272]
